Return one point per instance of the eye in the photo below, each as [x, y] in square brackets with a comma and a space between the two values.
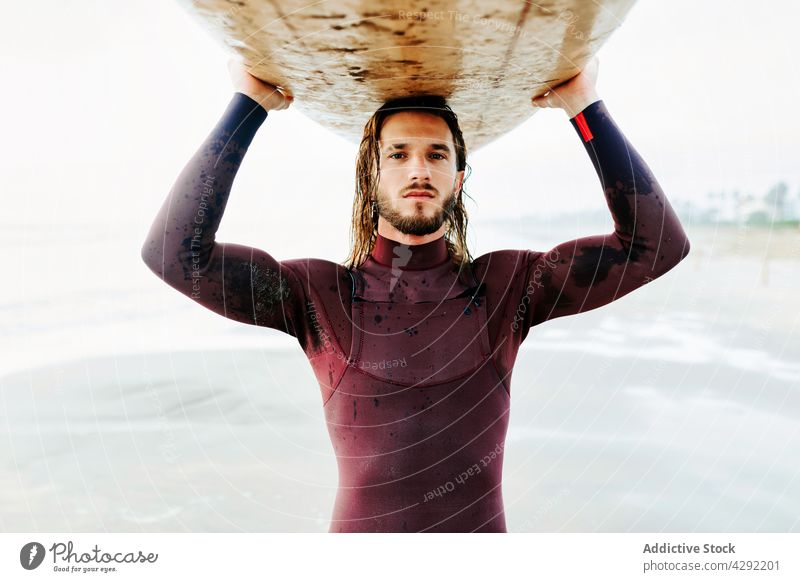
[442, 157]
[395, 154]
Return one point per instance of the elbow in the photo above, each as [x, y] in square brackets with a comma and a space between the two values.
[148, 256]
[686, 247]
[678, 250]
[153, 257]
[171, 264]
[680, 244]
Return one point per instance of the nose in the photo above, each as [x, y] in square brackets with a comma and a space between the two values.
[419, 169]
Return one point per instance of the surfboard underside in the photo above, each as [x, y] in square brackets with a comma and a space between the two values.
[342, 59]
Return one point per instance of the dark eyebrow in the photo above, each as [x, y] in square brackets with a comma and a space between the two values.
[433, 146]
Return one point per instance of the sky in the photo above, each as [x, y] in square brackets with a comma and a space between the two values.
[105, 101]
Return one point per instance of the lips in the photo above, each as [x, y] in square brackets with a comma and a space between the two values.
[418, 194]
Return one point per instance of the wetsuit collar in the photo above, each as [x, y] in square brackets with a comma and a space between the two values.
[387, 253]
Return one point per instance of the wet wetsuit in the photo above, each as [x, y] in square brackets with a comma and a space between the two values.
[413, 355]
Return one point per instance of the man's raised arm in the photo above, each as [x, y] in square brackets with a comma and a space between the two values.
[648, 239]
[239, 282]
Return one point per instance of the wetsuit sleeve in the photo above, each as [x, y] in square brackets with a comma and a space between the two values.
[236, 281]
[648, 239]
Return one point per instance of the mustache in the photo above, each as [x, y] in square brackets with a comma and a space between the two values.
[414, 187]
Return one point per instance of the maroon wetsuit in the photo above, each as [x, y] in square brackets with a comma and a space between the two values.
[413, 356]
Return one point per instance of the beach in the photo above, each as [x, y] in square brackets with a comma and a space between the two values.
[126, 407]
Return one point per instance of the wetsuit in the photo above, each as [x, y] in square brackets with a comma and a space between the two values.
[413, 355]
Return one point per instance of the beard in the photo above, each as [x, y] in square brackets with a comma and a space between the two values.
[416, 223]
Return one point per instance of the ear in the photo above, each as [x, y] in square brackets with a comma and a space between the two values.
[459, 181]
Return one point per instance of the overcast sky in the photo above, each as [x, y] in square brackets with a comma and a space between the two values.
[103, 103]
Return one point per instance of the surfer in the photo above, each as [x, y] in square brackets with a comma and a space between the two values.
[413, 341]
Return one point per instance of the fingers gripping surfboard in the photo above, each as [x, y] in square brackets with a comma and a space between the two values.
[342, 59]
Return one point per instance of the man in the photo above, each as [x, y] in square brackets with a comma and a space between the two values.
[412, 341]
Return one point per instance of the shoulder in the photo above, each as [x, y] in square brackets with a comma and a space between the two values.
[316, 269]
[322, 278]
[505, 263]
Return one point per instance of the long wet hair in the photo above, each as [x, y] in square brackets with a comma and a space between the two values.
[364, 227]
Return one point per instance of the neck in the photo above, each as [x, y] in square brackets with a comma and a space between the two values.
[400, 255]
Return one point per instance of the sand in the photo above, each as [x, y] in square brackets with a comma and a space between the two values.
[676, 408]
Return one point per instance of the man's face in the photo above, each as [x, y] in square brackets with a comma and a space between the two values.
[418, 181]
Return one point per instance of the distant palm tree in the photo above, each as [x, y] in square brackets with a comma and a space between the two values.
[775, 199]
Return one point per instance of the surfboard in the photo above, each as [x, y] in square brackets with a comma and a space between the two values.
[342, 59]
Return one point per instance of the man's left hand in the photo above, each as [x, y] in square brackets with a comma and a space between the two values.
[573, 95]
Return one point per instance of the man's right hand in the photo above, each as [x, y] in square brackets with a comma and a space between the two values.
[268, 96]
